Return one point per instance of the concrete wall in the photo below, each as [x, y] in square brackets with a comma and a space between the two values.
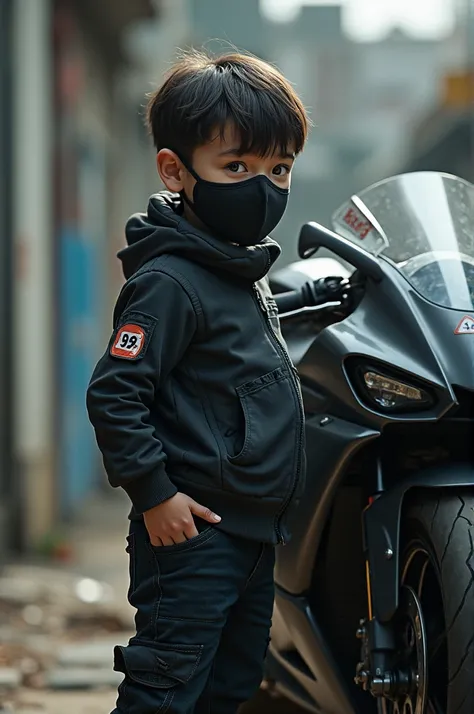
[6, 264]
[32, 226]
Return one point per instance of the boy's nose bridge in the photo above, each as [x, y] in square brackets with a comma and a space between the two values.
[264, 172]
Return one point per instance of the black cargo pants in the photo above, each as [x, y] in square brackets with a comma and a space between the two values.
[203, 618]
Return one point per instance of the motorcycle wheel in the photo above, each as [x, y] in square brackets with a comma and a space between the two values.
[438, 575]
[263, 703]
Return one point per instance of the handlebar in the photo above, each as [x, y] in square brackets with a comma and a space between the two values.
[312, 294]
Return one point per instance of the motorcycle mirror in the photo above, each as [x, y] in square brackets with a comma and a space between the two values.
[314, 236]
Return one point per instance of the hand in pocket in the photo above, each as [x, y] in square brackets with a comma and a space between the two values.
[172, 522]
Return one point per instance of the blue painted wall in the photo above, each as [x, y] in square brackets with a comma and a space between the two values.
[82, 288]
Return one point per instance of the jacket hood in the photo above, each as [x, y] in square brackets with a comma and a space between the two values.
[163, 230]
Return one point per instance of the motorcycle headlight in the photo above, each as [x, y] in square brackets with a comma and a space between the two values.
[390, 393]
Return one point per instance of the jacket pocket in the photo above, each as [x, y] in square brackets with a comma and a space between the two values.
[160, 665]
[270, 414]
[261, 402]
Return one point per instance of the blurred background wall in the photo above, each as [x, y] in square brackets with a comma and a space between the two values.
[390, 88]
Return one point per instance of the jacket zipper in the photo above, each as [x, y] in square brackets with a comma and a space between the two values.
[281, 350]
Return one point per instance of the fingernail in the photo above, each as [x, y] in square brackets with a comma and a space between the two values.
[216, 517]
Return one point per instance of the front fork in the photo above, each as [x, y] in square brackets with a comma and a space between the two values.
[375, 673]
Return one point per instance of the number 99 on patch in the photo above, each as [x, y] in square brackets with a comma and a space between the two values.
[129, 342]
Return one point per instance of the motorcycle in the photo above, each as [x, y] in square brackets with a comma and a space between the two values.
[374, 608]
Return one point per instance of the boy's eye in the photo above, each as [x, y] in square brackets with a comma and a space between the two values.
[281, 170]
[237, 167]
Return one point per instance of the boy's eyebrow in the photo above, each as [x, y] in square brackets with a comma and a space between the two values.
[236, 151]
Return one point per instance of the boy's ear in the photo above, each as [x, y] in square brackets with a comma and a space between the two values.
[170, 169]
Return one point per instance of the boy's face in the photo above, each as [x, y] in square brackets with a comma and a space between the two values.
[221, 161]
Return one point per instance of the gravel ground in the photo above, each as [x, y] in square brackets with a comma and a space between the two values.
[62, 703]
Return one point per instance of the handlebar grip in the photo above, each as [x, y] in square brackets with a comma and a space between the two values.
[311, 294]
[290, 301]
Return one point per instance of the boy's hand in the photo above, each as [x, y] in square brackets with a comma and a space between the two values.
[172, 521]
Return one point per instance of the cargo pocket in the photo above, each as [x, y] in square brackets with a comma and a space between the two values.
[159, 666]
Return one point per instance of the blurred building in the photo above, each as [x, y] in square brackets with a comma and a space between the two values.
[365, 98]
[222, 25]
[91, 124]
[443, 140]
[64, 131]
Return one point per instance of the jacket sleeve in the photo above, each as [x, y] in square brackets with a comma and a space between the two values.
[154, 324]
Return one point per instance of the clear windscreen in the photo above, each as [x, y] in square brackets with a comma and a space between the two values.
[424, 223]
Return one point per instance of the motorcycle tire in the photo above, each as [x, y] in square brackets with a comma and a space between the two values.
[438, 564]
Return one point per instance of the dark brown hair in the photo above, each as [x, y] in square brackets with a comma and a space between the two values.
[202, 94]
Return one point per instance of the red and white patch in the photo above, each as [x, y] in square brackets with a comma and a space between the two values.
[466, 326]
[129, 342]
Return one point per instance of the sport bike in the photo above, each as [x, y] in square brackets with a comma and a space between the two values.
[374, 606]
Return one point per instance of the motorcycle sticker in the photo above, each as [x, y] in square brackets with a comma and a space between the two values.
[356, 223]
[466, 326]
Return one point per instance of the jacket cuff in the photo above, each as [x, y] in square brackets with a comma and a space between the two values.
[149, 491]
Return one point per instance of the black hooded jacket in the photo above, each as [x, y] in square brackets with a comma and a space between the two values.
[195, 391]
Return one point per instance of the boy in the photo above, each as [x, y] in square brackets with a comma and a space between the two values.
[195, 404]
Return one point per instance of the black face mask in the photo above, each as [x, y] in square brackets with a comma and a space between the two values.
[242, 212]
